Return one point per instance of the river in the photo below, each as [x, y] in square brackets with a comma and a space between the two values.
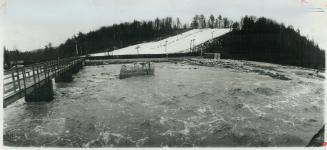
[182, 105]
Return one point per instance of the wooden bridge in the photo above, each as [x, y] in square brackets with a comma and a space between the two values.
[34, 82]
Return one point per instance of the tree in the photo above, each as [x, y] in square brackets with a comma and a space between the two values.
[168, 23]
[178, 23]
[185, 26]
[236, 26]
[225, 22]
[247, 22]
[157, 24]
[202, 22]
[231, 24]
[195, 22]
[211, 21]
[219, 21]
[216, 23]
[6, 60]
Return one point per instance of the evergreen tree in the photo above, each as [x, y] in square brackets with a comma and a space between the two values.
[236, 26]
[195, 22]
[211, 21]
[219, 21]
[225, 22]
[178, 23]
[202, 22]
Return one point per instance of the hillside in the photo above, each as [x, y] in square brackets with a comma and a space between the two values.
[180, 43]
[268, 41]
[120, 35]
[257, 39]
[107, 38]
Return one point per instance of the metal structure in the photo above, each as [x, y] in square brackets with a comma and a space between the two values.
[20, 81]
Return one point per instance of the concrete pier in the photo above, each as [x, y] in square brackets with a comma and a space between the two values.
[77, 67]
[139, 68]
[42, 93]
[67, 76]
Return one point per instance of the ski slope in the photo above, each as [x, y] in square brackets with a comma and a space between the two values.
[180, 43]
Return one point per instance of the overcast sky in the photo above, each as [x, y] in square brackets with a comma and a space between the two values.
[31, 24]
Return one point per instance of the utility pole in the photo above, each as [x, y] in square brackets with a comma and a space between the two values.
[76, 48]
[191, 46]
[108, 51]
[201, 52]
[137, 49]
[166, 49]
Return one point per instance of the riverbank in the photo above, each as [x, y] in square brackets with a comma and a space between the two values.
[122, 61]
[275, 71]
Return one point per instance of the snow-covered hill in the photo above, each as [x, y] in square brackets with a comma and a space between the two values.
[176, 44]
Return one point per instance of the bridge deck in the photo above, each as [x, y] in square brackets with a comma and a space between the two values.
[20, 81]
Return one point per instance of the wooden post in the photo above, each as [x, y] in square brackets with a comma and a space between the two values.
[48, 69]
[24, 80]
[18, 78]
[38, 73]
[60, 70]
[13, 80]
[45, 71]
[57, 67]
[34, 79]
[52, 68]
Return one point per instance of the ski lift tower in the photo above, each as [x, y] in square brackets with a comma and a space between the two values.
[137, 49]
[166, 49]
[191, 46]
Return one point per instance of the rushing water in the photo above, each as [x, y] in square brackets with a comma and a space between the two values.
[181, 105]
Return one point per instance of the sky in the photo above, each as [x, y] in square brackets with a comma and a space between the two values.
[29, 25]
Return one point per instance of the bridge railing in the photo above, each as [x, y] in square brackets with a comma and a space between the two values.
[18, 79]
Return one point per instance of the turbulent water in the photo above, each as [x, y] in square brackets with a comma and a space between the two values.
[181, 105]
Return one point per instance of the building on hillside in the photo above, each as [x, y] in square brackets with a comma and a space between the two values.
[215, 56]
[17, 63]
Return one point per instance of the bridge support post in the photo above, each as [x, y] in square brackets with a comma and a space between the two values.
[41, 93]
[75, 68]
[80, 65]
[83, 63]
[66, 76]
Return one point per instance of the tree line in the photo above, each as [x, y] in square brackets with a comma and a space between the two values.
[200, 22]
[112, 37]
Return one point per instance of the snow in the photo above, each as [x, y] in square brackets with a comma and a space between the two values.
[176, 44]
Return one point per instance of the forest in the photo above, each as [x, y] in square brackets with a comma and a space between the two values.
[258, 39]
[262, 39]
